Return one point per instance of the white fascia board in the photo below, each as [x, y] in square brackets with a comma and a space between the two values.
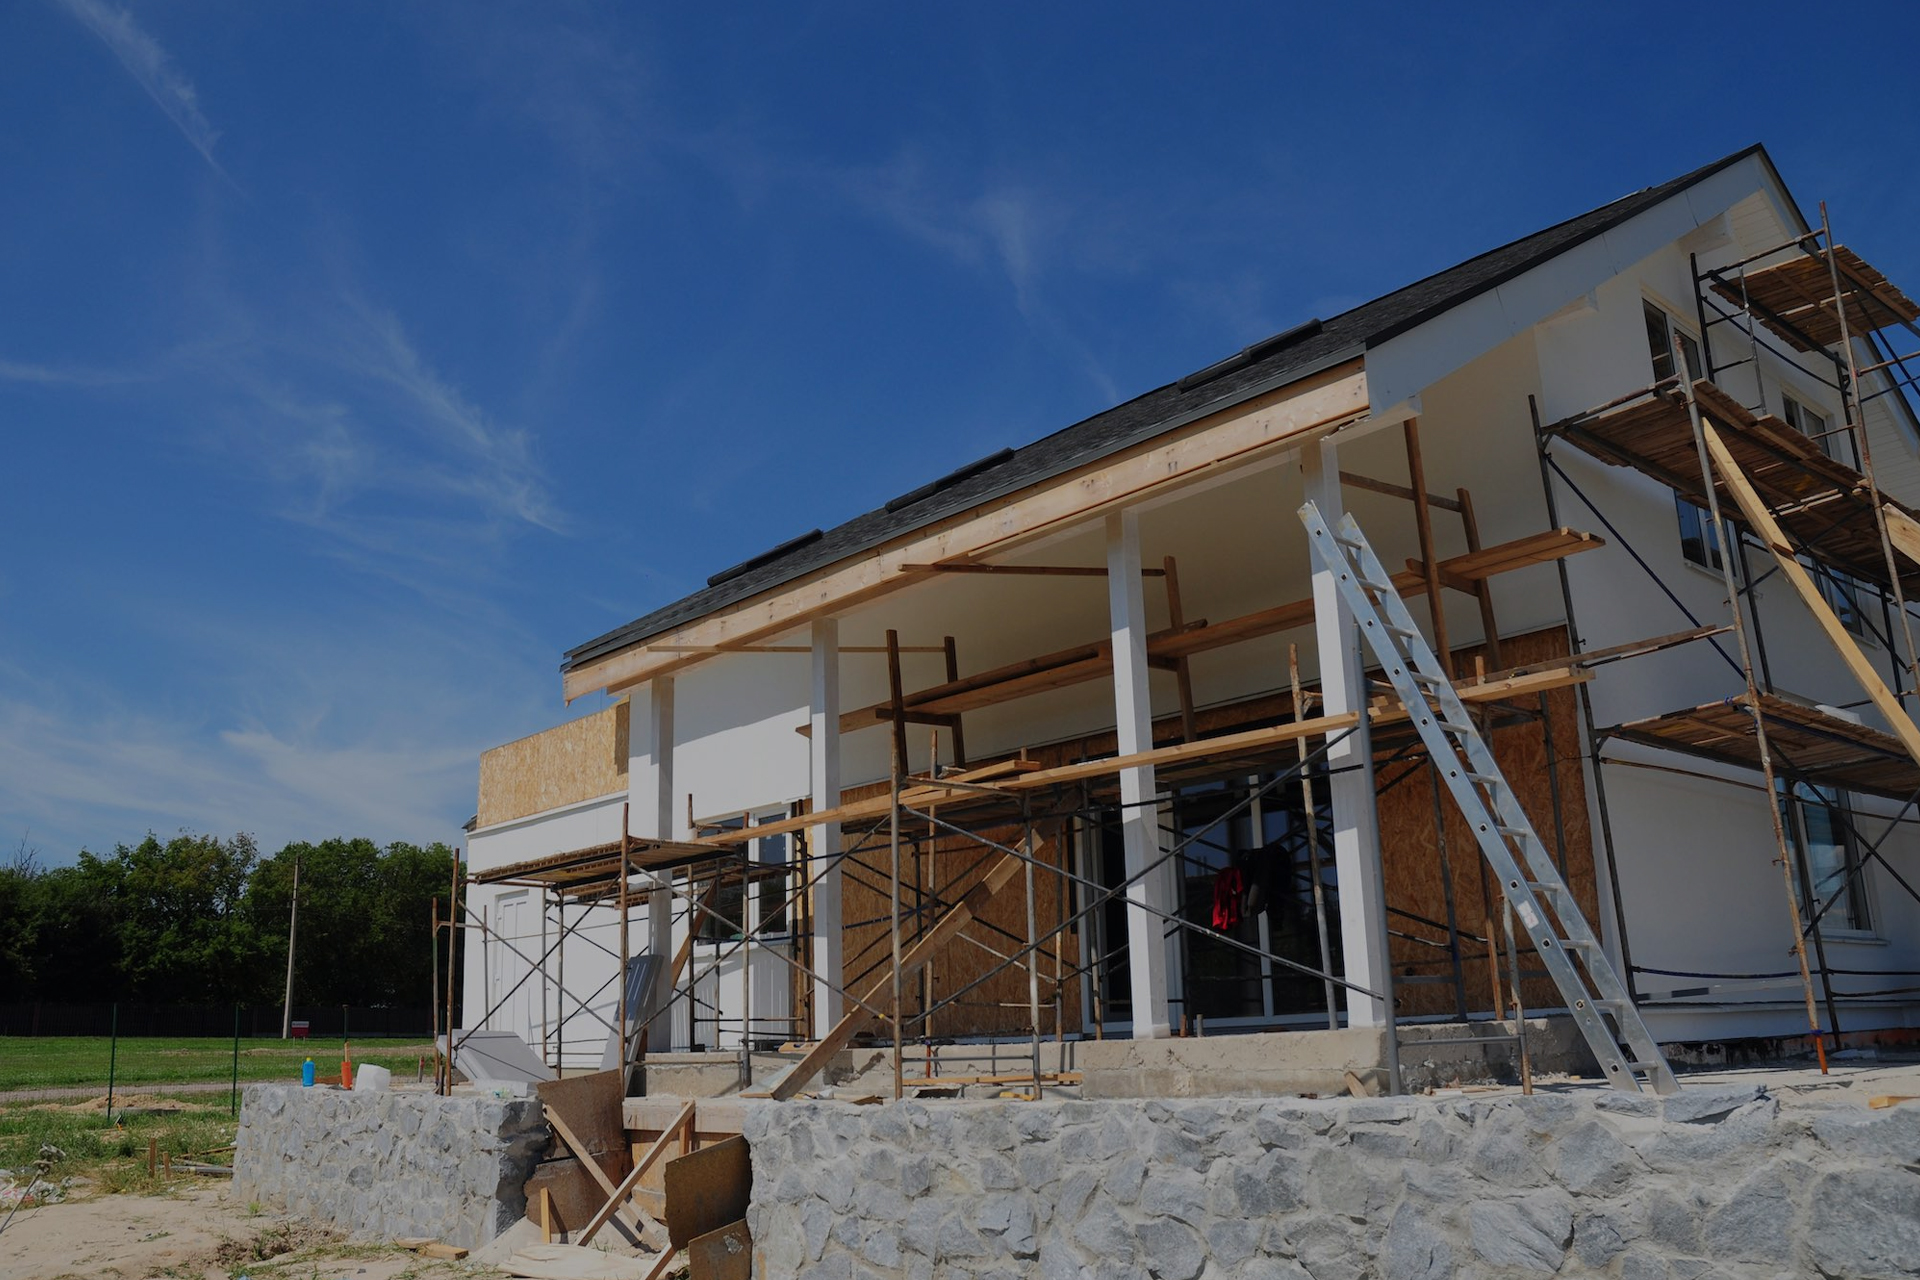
[547, 815]
[1407, 363]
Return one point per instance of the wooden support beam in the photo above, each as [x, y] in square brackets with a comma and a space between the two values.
[684, 951]
[959, 733]
[943, 931]
[1068, 667]
[1021, 775]
[1353, 481]
[1763, 524]
[620, 1194]
[1482, 589]
[1182, 674]
[592, 1166]
[1903, 531]
[1025, 570]
[1423, 527]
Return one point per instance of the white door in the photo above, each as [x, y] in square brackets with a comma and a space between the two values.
[516, 1004]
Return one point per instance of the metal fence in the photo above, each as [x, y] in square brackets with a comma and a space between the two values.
[329, 1022]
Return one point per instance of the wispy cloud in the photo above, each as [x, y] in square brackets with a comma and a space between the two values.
[498, 468]
[153, 70]
[62, 376]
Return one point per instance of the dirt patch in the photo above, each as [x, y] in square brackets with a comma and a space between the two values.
[194, 1233]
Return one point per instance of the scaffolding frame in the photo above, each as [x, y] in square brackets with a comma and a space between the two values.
[1819, 495]
[967, 804]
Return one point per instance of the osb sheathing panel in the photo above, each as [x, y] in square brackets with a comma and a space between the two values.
[1410, 854]
[1416, 880]
[951, 865]
[568, 763]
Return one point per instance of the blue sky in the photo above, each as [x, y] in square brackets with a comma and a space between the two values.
[358, 359]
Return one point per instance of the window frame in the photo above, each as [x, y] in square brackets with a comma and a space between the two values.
[1860, 915]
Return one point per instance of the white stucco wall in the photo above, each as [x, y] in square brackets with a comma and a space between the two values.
[1700, 889]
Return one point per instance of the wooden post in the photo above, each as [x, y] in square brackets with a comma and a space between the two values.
[626, 1040]
[893, 832]
[453, 937]
[433, 1010]
[546, 1215]
[1429, 557]
[1182, 672]
[1482, 587]
[1310, 812]
[959, 734]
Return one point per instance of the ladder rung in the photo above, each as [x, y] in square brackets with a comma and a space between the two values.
[1454, 726]
[1404, 632]
[1506, 830]
[1541, 886]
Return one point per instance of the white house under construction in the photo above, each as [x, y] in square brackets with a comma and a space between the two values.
[1094, 738]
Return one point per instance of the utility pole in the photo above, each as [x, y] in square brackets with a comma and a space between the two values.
[293, 926]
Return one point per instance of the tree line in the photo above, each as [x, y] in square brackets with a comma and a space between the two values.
[197, 919]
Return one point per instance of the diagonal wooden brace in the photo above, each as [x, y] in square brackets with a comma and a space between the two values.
[943, 931]
[640, 1167]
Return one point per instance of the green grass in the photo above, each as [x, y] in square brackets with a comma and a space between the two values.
[112, 1157]
[51, 1062]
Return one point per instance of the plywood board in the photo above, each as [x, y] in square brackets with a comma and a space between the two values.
[707, 1189]
[571, 1262]
[579, 760]
[726, 1254]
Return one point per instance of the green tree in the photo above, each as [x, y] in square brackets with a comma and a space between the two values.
[184, 931]
[363, 925]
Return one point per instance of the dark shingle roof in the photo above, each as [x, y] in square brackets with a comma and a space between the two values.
[1262, 367]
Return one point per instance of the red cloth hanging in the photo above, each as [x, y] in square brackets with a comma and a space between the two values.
[1228, 889]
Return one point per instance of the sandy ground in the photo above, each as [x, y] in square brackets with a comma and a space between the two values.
[193, 1233]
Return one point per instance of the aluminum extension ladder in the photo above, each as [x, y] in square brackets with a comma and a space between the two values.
[1625, 1049]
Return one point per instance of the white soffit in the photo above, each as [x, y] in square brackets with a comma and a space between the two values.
[1408, 363]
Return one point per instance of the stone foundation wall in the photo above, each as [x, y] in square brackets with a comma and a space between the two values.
[1591, 1183]
[387, 1165]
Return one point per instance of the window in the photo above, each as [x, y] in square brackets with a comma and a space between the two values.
[1245, 872]
[1817, 427]
[1696, 539]
[1817, 818]
[768, 902]
[1697, 543]
[772, 895]
[1661, 331]
[727, 913]
[1842, 594]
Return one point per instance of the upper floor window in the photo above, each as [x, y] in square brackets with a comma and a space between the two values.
[1819, 821]
[1661, 334]
[1697, 542]
[1816, 426]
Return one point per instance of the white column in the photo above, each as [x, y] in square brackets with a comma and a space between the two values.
[1356, 831]
[828, 933]
[656, 807]
[1140, 820]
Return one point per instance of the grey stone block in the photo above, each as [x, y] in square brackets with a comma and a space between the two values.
[1866, 1223]
[1416, 1248]
[1170, 1250]
[1530, 1234]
